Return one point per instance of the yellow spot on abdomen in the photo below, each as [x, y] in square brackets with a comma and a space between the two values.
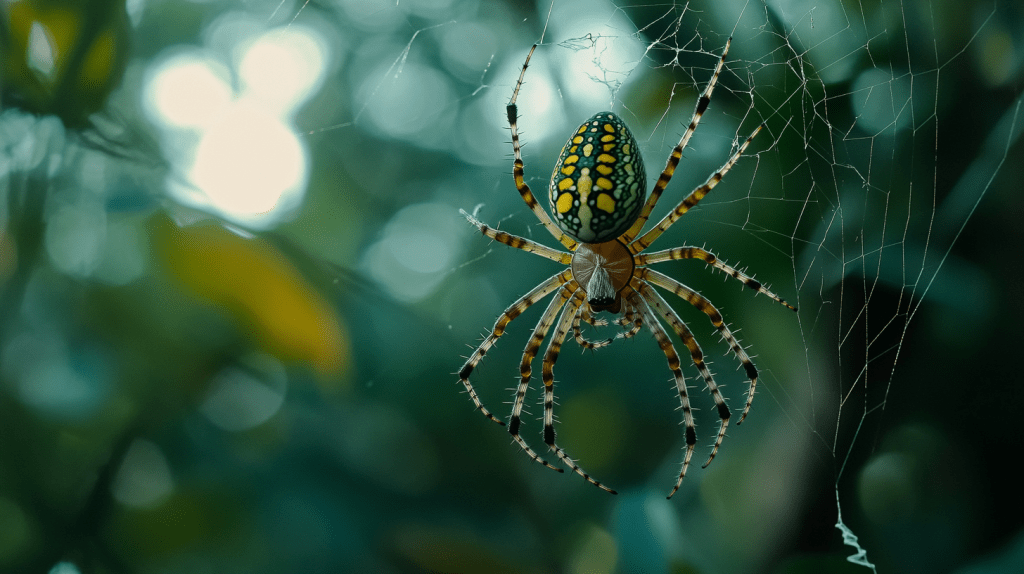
[567, 170]
[588, 149]
[571, 159]
[564, 203]
[609, 128]
[603, 158]
[565, 184]
[602, 169]
[604, 183]
[583, 186]
[605, 203]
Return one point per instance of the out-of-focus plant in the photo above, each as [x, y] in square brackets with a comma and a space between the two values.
[61, 57]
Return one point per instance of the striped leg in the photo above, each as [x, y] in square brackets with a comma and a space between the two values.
[589, 318]
[532, 346]
[548, 375]
[630, 317]
[675, 365]
[517, 165]
[662, 307]
[691, 200]
[677, 152]
[519, 242]
[709, 258]
[514, 310]
[697, 356]
[584, 315]
[698, 301]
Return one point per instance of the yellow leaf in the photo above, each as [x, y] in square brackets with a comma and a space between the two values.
[257, 285]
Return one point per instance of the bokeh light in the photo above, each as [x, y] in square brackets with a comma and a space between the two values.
[242, 397]
[235, 287]
[408, 101]
[416, 250]
[144, 479]
[187, 90]
[41, 47]
[230, 124]
[882, 101]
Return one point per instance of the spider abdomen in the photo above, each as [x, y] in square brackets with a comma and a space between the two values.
[599, 184]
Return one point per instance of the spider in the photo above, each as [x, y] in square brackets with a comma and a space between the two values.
[597, 194]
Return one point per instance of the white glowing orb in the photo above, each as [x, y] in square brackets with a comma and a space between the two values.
[282, 68]
[248, 164]
[187, 90]
[236, 152]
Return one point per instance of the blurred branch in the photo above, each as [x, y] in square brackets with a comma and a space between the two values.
[25, 201]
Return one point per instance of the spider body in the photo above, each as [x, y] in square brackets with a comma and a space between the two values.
[603, 270]
[599, 184]
[597, 195]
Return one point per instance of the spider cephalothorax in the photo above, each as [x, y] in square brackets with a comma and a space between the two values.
[597, 198]
[603, 270]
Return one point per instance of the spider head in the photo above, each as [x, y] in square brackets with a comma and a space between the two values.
[612, 305]
[599, 183]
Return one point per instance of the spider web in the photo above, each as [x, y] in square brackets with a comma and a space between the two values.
[851, 204]
[849, 189]
[880, 198]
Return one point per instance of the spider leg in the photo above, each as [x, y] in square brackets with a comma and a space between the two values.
[547, 373]
[698, 301]
[632, 317]
[691, 200]
[584, 315]
[688, 252]
[677, 152]
[652, 298]
[519, 242]
[517, 165]
[513, 311]
[674, 365]
[588, 317]
[536, 338]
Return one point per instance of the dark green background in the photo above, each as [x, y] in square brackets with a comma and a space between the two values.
[895, 388]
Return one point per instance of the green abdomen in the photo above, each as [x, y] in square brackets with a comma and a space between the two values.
[599, 183]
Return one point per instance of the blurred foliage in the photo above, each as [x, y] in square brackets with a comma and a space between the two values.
[287, 317]
[62, 58]
[179, 393]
